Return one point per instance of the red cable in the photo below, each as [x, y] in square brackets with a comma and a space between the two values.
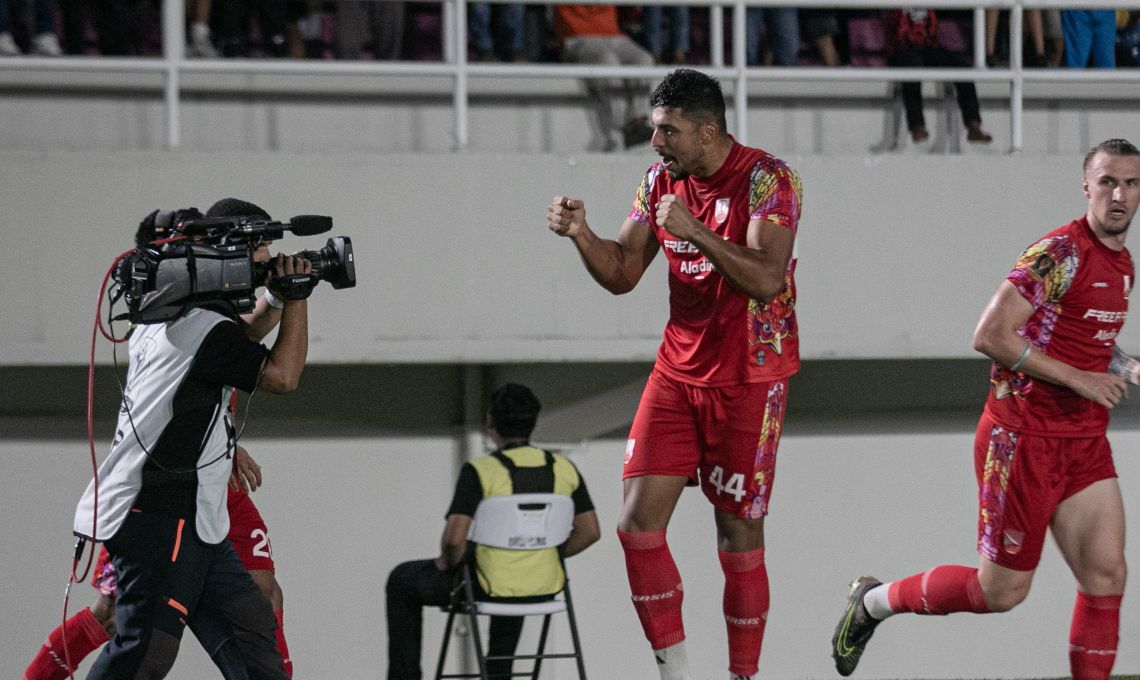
[72, 578]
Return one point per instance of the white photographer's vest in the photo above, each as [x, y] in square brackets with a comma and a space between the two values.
[160, 358]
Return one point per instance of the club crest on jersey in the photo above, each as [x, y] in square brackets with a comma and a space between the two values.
[721, 212]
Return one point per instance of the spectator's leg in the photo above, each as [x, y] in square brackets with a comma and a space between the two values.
[45, 43]
[593, 50]
[992, 21]
[1078, 37]
[388, 28]
[537, 33]
[1054, 37]
[1103, 28]
[479, 30]
[352, 27]
[680, 29]
[508, 31]
[1035, 27]
[411, 587]
[754, 30]
[783, 34]
[912, 94]
[272, 17]
[651, 30]
[504, 639]
[635, 128]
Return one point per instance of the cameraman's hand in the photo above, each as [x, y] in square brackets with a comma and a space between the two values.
[291, 278]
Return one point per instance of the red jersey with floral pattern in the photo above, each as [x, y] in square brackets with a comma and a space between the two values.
[1079, 291]
[716, 335]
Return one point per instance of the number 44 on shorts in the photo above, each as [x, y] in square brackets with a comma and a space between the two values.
[734, 487]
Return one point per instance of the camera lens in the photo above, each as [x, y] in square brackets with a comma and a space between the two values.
[334, 263]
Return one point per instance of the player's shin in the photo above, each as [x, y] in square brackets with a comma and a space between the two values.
[939, 591]
[1094, 636]
[656, 586]
[745, 608]
[282, 647]
[84, 635]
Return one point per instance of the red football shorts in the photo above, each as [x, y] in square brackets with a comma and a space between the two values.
[723, 438]
[1022, 478]
[248, 533]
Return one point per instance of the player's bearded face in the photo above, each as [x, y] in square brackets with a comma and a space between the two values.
[1112, 184]
[676, 140]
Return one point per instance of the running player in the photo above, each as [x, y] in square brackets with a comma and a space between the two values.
[1040, 453]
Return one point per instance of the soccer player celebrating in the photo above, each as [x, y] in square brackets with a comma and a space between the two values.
[1040, 453]
[712, 411]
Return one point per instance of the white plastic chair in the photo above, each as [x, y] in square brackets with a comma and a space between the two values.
[532, 521]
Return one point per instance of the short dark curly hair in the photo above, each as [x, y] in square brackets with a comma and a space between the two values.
[697, 96]
[514, 410]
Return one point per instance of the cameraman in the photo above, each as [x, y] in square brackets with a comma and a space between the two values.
[160, 506]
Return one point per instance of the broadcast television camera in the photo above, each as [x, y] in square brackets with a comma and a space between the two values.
[208, 261]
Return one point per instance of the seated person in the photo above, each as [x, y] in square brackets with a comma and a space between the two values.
[590, 34]
[514, 467]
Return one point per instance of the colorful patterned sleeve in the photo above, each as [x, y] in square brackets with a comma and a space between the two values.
[1045, 270]
[776, 193]
[640, 211]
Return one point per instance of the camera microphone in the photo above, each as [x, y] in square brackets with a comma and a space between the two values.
[307, 225]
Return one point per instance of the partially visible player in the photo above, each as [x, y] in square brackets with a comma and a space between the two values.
[1041, 457]
[90, 628]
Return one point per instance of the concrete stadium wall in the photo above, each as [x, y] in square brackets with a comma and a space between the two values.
[343, 512]
[897, 254]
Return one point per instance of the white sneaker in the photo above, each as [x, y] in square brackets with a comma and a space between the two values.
[46, 45]
[200, 46]
[8, 46]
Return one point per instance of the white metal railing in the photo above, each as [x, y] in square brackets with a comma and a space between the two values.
[174, 63]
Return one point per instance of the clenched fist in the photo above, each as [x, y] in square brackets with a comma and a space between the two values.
[566, 216]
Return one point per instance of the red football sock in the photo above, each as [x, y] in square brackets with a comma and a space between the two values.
[939, 591]
[1093, 636]
[282, 647]
[656, 586]
[84, 635]
[745, 607]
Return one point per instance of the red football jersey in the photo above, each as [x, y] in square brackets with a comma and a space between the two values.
[716, 335]
[1079, 291]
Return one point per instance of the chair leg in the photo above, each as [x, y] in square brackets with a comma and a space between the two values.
[541, 647]
[574, 631]
[477, 639]
[446, 641]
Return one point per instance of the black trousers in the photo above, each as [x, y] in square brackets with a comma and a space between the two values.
[168, 580]
[917, 56]
[418, 584]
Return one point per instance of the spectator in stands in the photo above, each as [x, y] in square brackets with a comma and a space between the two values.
[1090, 37]
[912, 40]
[233, 23]
[676, 49]
[589, 34]
[773, 36]
[1034, 31]
[1128, 38]
[366, 24]
[200, 44]
[496, 31]
[44, 42]
[819, 28]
